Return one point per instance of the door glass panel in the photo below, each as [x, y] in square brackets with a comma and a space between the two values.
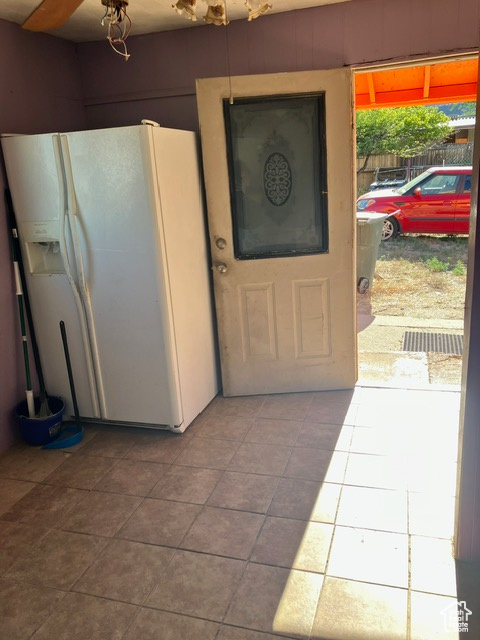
[277, 172]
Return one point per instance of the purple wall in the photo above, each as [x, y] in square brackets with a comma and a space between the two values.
[40, 92]
[158, 81]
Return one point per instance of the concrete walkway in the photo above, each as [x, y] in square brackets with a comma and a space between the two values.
[381, 359]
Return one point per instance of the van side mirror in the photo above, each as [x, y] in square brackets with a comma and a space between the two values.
[417, 192]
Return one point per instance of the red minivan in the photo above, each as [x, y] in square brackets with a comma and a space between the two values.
[436, 201]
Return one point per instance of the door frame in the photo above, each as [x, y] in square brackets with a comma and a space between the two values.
[467, 499]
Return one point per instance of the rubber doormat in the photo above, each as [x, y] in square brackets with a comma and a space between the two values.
[433, 342]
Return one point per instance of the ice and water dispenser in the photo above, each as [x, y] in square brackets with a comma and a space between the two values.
[41, 241]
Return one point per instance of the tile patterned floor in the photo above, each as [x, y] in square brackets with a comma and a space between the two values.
[318, 515]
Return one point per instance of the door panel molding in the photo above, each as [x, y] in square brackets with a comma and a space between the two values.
[311, 318]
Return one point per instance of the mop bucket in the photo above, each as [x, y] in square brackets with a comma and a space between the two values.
[44, 430]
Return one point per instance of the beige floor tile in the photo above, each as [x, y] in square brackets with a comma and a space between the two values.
[244, 491]
[209, 453]
[373, 415]
[332, 412]
[382, 509]
[100, 513]
[286, 406]
[159, 522]
[370, 556]
[381, 441]
[222, 427]
[380, 472]
[16, 540]
[305, 500]
[429, 475]
[276, 600]
[159, 447]
[24, 607]
[224, 532]
[147, 624]
[430, 617]
[432, 566]
[197, 584]
[393, 397]
[431, 515]
[80, 471]
[268, 459]
[110, 443]
[57, 560]
[11, 491]
[44, 505]
[293, 543]
[125, 571]
[132, 477]
[274, 431]
[30, 463]
[350, 610]
[340, 398]
[235, 633]
[242, 406]
[79, 616]
[320, 435]
[317, 464]
[187, 484]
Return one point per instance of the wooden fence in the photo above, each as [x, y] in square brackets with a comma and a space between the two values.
[440, 155]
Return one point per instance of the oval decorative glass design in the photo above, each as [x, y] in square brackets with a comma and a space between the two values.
[277, 178]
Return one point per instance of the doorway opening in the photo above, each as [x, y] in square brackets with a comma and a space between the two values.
[411, 317]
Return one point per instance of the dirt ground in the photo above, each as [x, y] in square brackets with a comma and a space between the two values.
[421, 277]
[444, 369]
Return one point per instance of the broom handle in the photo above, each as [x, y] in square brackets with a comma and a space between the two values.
[29, 390]
[28, 310]
[70, 373]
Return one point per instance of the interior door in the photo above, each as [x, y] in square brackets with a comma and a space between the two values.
[278, 153]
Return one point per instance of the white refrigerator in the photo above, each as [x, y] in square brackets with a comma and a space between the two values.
[113, 236]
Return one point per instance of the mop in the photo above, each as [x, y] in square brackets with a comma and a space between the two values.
[24, 307]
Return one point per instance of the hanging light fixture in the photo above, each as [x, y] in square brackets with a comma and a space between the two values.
[217, 12]
[118, 25]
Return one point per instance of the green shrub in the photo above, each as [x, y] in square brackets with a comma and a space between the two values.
[436, 265]
[460, 269]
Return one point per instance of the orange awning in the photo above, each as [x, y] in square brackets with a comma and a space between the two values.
[417, 85]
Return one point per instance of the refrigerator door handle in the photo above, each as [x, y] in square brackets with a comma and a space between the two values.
[62, 180]
[72, 213]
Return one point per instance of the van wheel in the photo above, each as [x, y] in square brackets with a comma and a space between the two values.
[391, 229]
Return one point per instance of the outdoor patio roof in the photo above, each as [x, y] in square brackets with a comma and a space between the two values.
[421, 84]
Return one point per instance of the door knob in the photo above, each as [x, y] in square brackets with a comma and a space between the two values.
[221, 267]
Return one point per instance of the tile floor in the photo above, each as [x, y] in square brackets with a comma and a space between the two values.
[320, 515]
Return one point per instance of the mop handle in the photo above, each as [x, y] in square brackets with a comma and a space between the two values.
[70, 372]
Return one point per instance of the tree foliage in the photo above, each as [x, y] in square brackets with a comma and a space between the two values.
[405, 131]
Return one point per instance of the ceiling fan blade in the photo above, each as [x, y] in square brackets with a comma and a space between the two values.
[50, 14]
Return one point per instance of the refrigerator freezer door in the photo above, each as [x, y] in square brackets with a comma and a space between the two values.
[119, 229]
[35, 178]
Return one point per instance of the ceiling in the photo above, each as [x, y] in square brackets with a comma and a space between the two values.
[148, 16]
[433, 82]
